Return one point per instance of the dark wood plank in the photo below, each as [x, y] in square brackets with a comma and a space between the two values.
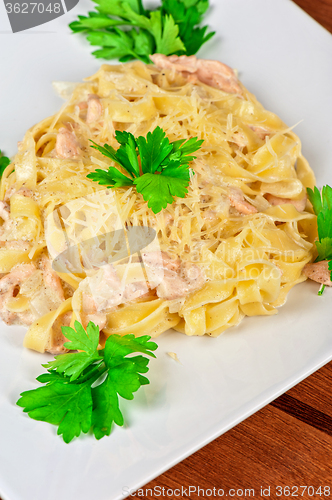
[316, 390]
[304, 412]
[320, 10]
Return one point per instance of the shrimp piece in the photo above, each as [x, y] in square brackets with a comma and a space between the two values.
[57, 338]
[90, 312]
[237, 201]
[25, 192]
[92, 107]
[82, 105]
[51, 279]
[138, 290]
[187, 64]
[176, 279]
[205, 198]
[22, 191]
[101, 292]
[213, 73]
[4, 210]
[95, 109]
[161, 260]
[318, 271]
[298, 204]
[105, 288]
[168, 219]
[24, 246]
[218, 75]
[66, 145]
[260, 131]
[210, 216]
[9, 288]
[239, 139]
[178, 285]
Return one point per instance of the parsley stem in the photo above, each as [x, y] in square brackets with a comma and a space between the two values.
[93, 374]
[321, 290]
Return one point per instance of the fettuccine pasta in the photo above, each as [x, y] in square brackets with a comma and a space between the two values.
[233, 247]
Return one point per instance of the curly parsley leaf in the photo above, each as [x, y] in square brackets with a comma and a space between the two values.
[125, 156]
[124, 378]
[79, 395]
[143, 44]
[72, 366]
[320, 202]
[197, 39]
[117, 347]
[187, 15]
[116, 44]
[116, 7]
[171, 28]
[106, 409]
[165, 33]
[324, 248]
[50, 377]
[94, 21]
[322, 205]
[201, 5]
[111, 178]
[122, 136]
[183, 149]
[80, 339]
[153, 150]
[159, 190]
[106, 150]
[67, 405]
[4, 162]
[164, 165]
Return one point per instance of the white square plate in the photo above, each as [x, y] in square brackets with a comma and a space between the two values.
[283, 57]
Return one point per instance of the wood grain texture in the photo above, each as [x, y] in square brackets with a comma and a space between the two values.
[304, 412]
[320, 10]
[316, 390]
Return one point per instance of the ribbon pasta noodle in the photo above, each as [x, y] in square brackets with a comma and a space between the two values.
[233, 247]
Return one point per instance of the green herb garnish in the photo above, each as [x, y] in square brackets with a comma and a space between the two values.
[4, 162]
[322, 205]
[164, 166]
[82, 388]
[172, 28]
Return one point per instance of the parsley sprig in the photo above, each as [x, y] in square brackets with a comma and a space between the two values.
[4, 162]
[322, 205]
[82, 389]
[172, 28]
[164, 171]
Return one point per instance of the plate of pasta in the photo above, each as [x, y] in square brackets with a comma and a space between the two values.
[162, 200]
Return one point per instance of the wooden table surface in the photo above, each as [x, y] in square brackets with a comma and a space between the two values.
[288, 443]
